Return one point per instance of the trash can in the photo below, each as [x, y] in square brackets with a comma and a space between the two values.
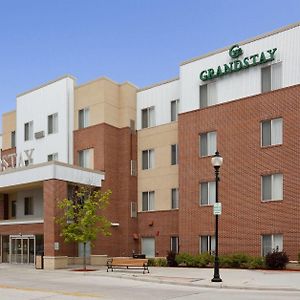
[39, 261]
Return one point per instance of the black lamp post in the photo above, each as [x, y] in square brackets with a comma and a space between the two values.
[217, 161]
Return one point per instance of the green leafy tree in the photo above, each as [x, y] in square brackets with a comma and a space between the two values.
[82, 219]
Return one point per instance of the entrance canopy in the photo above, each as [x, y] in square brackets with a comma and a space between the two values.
[50, 170]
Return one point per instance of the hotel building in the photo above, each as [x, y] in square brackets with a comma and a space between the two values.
[152, 147]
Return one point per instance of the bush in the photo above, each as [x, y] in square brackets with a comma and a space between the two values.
[256, 263]
[171, 259]
[276, 260]
[157, 262]
[184, 259]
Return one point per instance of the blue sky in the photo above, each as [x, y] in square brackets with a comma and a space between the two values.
[142, 41]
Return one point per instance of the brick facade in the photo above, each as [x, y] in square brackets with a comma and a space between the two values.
[245, 217]
[114, 148]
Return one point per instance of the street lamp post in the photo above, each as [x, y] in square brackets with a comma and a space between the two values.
[217, 161]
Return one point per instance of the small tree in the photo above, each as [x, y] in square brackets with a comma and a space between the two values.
[81, 220]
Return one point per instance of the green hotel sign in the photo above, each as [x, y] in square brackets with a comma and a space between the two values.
[238, 64]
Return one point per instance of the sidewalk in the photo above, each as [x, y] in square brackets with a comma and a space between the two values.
[232, 278]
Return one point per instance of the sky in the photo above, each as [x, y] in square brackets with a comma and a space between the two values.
[141, 41]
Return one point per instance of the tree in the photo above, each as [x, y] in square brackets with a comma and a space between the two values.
[81, 220]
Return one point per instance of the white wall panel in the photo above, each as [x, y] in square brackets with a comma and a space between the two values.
[56, 97]
[160, 97]
[246, 82]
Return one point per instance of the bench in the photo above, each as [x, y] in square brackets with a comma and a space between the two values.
[127, 263]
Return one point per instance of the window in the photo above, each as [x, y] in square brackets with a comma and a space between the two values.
[53, 123]
[271, 132]
[148, 201]
[83, 118]
[207, 193]
[174, 110]
[174, 198]
[28, 131]
[148, 159]
[28, 206]
[13, 208]
[133, 209]
[272, 187]
[207, 244]
[148, 117]
[174, 154]
[53, 156]
[174, 244]
[271, 242]
[86, 158]
[271, 77]
[207, 95]
[208, 143]
[133, 171]
[13, 139]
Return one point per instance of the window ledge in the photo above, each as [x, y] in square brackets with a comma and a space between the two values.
[22, 221]
[270, 146]
[268, 201]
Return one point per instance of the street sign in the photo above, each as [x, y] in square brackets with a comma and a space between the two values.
[217, 208]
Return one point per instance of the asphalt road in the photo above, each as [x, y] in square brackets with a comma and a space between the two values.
[28, 284]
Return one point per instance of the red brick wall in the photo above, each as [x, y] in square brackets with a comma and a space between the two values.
[113, 150]
[54, 191]
[244, 216]
[34, 229]
[161, 225]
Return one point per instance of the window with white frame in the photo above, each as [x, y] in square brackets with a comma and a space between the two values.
[53, 123]
[174, 110]
[53, 156]
[207, 193]
[85, 158]
[174, 198]
[271, 132]
[207, 244]
[83, 117]
[174, 247]
[148, 117]
[271, 77]
[148, 199]
[207, 94]
[148, 159]
[208, 143]
[272, 187]
[271, 242]
[174, 154]
[28, 131]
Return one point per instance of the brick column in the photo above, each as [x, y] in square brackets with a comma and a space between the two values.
[54, 191]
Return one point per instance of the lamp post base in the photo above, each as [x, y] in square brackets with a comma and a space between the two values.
[216, 279]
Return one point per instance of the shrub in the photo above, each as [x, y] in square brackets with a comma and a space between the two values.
[276, 260]
[171, 259]
[151, 262]
[184, 259]
[161, 262]
[256, 263]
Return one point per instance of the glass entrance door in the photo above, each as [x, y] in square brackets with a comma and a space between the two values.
[22, 249]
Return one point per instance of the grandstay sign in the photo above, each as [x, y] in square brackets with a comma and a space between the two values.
[15, 160]
[238, 64]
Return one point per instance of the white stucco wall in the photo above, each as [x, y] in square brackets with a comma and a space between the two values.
[36, 105]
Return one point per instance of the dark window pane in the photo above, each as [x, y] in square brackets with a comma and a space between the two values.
[204, 193]
[203, 144]
[174, 110]
[173, 154]
[266, 187]
[145, 160]
[145, 201]
[266, 79]
[145, 118]
[50, 124]
[203, 95]
[204, 244]
[81, 118]
[266, 133]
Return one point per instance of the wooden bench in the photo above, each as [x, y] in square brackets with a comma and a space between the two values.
[127, 263]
